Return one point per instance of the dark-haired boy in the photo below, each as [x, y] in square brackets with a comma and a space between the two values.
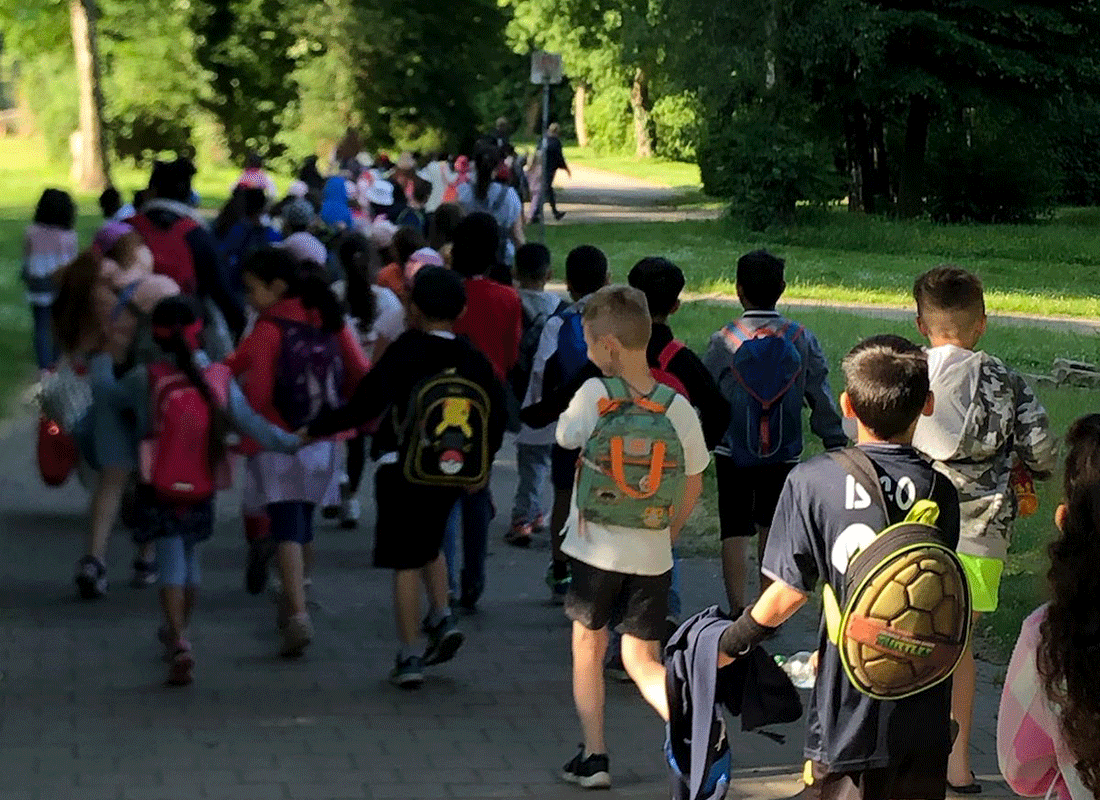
[858, 747]
[561, 366]
[533, 447]
[763, 358]
[411, 518]
[987, 418]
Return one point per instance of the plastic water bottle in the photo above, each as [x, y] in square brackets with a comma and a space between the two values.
[799, 669]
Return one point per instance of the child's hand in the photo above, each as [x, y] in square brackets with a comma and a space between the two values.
[303, 435]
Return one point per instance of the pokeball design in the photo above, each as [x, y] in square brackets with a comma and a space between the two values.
[451, 462]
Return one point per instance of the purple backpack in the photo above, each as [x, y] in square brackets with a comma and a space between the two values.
[309, 375]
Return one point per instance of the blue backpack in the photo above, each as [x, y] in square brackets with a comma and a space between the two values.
[572, 350]
[766, 406]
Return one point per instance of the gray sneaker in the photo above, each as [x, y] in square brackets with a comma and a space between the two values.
[407, 673]
[297, 634]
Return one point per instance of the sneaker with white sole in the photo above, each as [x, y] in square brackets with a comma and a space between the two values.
[297, 634]
[350, 511]
[444, 639]
[182, 664]
[407, 673]
[145, 573]
[591, 772]
[91, 578]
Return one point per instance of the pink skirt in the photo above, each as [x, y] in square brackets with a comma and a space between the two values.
[312, 475]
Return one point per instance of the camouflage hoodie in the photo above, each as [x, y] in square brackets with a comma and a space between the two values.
[986, 417]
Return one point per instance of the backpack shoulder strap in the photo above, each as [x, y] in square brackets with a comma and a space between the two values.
[736, 335]
[663, 395]
[670, 351]
[792, 332]
[859, 465]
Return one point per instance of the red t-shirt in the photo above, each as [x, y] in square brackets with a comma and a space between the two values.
[493, 322]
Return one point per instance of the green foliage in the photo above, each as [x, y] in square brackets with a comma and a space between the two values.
[610, 124]
[991, 171]
[1075, 124]
[679, 126]
[765, 164]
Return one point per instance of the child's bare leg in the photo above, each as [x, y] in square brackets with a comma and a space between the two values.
[190, 594]
[734, 568]
[406, 603]
[291, 570]
[106, 500]
[644, 666]
[964, 684]
[588, 687]
[436, 583]
[307, 560]
[175, 610]
[761, 545]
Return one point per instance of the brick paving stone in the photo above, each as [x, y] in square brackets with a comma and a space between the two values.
[83, 712]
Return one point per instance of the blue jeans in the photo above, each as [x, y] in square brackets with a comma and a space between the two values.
[533, 466]
[177, 562]
[472, 515]
[45, 352]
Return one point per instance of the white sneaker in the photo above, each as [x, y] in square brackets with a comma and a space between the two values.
[349, 513]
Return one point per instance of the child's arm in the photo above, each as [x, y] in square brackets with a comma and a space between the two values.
[247, 422]
[824, 417]
[372, 396]
[579, 419]
[776, 605]
[693, 490]
[257, 355]
[714, 409]
[1035, 445]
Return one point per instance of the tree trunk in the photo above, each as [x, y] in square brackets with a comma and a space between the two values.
[643, 122]
[911, 182]
[580, 103]
[92, 170]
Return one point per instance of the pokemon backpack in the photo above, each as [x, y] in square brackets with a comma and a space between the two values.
[445, 432]
[901, 621]
[631, 472]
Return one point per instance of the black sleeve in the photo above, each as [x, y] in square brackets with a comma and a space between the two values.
[372, 396]
[556, 400]
[714, 410]
[947, 498]
[213, 279]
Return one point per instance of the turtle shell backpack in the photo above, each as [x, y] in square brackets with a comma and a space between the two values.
[631, 473]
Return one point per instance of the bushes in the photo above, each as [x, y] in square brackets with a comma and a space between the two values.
[679, 126]
[610, 124]
[765, 166]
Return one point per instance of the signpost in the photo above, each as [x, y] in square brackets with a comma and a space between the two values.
[546, 69]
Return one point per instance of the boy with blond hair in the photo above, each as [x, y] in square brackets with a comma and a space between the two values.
[620, 550]
[987, 420]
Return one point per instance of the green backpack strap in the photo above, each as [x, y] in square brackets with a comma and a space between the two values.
[663, 394]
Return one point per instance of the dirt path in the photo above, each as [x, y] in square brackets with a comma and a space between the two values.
[596, 195]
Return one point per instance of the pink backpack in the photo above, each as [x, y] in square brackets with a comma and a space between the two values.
[173, 457]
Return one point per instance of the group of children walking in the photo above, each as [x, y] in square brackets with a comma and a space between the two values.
[621, 417]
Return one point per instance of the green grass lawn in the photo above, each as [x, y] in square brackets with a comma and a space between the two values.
[1051, 268]
[674, 174]
[1023, 587]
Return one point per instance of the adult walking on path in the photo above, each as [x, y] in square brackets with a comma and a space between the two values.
[554, 160]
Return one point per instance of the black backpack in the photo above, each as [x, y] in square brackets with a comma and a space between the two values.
[520, 376]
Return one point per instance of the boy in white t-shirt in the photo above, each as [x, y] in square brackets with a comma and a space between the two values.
[629, 567]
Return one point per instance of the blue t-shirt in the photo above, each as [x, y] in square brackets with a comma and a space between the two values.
[820, 509]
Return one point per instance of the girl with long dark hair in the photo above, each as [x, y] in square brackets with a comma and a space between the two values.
[1048, 729]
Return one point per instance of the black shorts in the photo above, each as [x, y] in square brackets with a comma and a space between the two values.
[563, 467]
[411, 520]
[920, 775]
[594, 595]
[747, 496]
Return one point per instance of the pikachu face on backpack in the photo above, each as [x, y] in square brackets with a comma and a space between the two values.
[454, 433]
[446, 433]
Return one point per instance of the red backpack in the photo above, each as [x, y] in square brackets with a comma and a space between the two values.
[173, 457]
[57, 454]
[171, 252]
[662, 375]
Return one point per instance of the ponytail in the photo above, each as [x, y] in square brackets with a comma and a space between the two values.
[73, 310]
[176, 329]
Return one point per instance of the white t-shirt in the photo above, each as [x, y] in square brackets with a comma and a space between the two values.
[502, 203]
[611, 548]
[440, 176]
[389, 320]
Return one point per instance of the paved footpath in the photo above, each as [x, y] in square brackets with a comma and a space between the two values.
[83, 713]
